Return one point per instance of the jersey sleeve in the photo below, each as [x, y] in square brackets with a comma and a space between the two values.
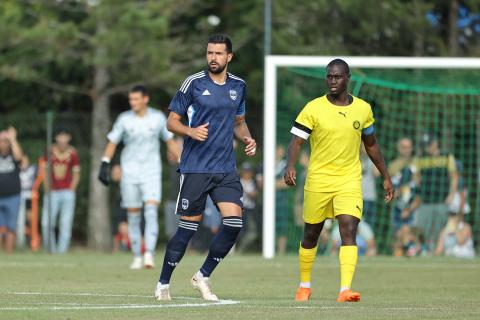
[452, 168]
[368, 125]
[241, 107]
[304, 124]
[164, 133]
[116, 135]
[183, 98]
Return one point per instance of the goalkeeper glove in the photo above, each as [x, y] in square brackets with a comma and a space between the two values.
[104, 172]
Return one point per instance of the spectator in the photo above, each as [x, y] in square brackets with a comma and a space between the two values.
[456, 239]
[65, 177]
[28, 173]
[438, 178]
[365, 239]
[250, 214]
[171, 219]
[369, 191]
[10, 157]
[406, 199]
[283, 202]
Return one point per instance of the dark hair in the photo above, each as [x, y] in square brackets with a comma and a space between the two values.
[341, 63]
[221, 38]
[61, 130]
[139, 88]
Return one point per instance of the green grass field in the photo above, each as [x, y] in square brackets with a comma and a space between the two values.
[85, 285]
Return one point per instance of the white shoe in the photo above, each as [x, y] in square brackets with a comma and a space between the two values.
[202, 284]
[148, 262]
[162, 292]
[137, 263]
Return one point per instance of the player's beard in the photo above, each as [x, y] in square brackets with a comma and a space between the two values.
[218, 70]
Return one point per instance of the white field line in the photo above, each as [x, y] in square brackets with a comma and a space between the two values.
[84, 306]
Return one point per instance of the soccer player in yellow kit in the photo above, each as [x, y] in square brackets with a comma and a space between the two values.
[335, 123]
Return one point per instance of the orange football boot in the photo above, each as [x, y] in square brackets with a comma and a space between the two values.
[303, 294]
[348, 296]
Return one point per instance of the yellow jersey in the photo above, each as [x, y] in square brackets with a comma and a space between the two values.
[335, 136]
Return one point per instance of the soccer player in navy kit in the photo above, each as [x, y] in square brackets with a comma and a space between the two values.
[213, 103]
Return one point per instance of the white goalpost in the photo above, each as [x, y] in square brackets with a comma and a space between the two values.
[270, 113]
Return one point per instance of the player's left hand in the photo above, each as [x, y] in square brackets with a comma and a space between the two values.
[251, 147]
[389, 191]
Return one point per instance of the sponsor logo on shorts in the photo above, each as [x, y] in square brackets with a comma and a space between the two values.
[358, 208]
[185, 204]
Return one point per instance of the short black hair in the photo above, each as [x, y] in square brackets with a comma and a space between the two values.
[139, 88]
[61, 130]
[221, 38]
[341, 63]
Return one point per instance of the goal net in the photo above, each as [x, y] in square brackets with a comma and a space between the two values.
[415, 99]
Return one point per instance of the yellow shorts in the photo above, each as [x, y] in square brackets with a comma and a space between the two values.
[319, 206]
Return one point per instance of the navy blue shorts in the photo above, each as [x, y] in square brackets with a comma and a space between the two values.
[194, 188]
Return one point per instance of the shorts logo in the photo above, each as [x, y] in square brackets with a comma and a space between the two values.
[241, 199]
[185, 204]
[356, 124]
[233, 94]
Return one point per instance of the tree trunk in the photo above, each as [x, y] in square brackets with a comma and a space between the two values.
[419, 37]
[99, 226]
[452, 28]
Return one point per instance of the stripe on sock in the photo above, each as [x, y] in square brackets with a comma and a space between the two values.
[233, 222]
[189, 225]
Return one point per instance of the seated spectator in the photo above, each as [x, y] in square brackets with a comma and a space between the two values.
[10, 157]
[365, 240]
[121, 242]
[456, 239]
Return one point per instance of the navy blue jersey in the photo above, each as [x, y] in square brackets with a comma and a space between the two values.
[201, 100]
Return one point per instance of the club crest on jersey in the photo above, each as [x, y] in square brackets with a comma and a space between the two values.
[356, 124]
[185, 204]
[233, 94]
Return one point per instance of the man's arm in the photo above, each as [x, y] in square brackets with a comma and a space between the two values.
[174, 149]
[294, 147]
[175, 125]
[75, 178]
[375, 154]
[16, 149]
[243, 134]
[109, 151]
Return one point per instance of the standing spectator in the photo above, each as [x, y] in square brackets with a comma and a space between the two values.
[27, 178]
[406, 198]
[65, 177]
[369, 192]
[250, 214]
[171, 219]
[438, 184]
[10, 157]
[282, 200]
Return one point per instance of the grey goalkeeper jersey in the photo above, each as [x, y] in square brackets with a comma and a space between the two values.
[140, 159]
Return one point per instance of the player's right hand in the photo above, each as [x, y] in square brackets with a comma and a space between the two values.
[104, 172]
[199, 133]
[290, 176]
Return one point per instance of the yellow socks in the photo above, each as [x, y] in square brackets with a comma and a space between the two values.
[306, 258]
[348, 256]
